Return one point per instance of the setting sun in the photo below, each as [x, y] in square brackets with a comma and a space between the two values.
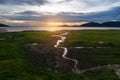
[54, 24]
[57, 24]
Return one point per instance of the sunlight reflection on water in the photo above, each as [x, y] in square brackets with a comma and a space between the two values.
[18, 29]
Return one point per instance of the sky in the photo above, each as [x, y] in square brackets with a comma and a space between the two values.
[55, 12]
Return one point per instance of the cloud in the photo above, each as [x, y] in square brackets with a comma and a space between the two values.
[31, 13]
[23, 2]
[95, 5]
[56, 6]
[60, 10]
[112, 14]
[28, 16]
[79, 5]
[59, 1]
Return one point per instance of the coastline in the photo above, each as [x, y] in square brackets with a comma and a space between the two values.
[22, 29]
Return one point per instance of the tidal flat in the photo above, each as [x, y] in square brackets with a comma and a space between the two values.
[32, 56]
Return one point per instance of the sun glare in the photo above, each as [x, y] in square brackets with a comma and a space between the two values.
[57, 24]
[54, 24]
[53, 29]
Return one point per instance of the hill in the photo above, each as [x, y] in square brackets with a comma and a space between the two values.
[91, 24]
[112, 24]
[105, 24]
[4, 25]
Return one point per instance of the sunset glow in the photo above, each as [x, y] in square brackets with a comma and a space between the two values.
[54, 24]
[57, 12]
[57, 24]
[15, 21]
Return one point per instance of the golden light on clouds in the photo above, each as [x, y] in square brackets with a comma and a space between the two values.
[54, 24]
[15, 21]
[57, 24]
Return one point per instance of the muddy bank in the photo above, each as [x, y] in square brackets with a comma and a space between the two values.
[93, 57]
[45, 56]
[54, 56]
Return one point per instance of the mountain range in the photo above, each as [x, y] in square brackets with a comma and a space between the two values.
[105, 24]
[89, 24]
[95, 24]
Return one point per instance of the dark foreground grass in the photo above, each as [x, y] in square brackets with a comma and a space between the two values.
[15, 64]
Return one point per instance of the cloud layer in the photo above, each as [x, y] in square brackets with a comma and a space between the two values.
[112, 14]
[59, 10]
[23, 2]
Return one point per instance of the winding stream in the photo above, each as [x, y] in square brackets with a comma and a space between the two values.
[75, 68]
[63, 38]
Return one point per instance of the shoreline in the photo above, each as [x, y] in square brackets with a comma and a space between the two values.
[52, 29]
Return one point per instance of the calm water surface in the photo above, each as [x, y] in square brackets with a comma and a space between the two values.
[18, 29]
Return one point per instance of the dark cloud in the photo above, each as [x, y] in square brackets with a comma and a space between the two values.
[112, 14]
[29, 16]
[64, 1]
[37, 16]
[23, 2]
[31, 13]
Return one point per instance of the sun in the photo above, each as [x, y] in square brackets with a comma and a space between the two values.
[54, 24]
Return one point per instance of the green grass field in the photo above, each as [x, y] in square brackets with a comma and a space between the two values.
[15, 64]
[91, 38]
